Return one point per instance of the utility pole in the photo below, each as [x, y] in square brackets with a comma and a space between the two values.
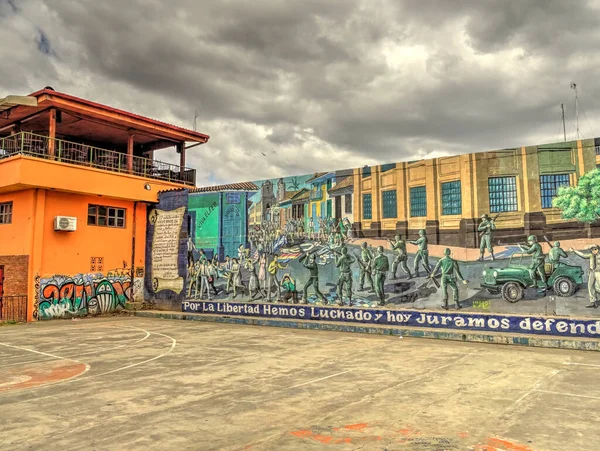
[574, 88]
[562, 107]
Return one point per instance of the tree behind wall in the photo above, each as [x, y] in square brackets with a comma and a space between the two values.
[581, 202]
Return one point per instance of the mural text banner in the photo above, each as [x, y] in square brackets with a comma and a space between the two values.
[556, 326]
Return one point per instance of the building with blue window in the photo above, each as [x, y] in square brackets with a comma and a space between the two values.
[447, 196]
[218, 218]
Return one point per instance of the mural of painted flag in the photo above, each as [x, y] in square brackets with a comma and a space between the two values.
[291, 253]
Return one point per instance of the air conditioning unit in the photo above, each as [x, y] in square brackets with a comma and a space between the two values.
[65, 223]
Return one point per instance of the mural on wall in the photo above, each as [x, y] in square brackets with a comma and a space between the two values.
[82, 294]
[165, 249]
[512, 231]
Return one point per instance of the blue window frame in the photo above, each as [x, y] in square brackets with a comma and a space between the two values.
[549, 185]
[451, 198]
[233, 198]
[418, 201]
[503, 194]
[367, 214]
[388, 167]
[390, 205]
[366, 171]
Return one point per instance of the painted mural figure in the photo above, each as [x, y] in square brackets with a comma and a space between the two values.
[450, 272]
[401, 258]
[289, 285]
[343, 262]
[190, 251]
[537, 263]
[193, 273]
[262, 272]
[254, 289]
[204, 285]
[422, 255]
[236, 277]
[555, 254]
[594, 274]
[348, 227]
[310, 262]
[365, 263]
[381, 266]
[272, 279]
[213, 274]
[487, 226]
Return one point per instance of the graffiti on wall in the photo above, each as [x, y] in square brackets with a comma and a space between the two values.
[510, 231]
[65, 296]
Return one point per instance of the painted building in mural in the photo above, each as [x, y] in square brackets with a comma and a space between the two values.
[514, 231]
[76, 181]
[219, 218]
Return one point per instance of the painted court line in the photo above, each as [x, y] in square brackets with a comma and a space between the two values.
[581, 364]
[567, 394]
[535, 386]
[38, 352]
[320, 379]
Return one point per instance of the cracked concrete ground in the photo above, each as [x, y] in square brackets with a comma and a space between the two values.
[133, 383]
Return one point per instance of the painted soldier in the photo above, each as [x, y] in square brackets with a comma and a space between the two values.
[381, 265]
[450, 272]
[343, 262]
[555, 254]
[310, 263]
[594, 274]
[486, 228]
[365, 261]
[422, 255]
[272, 279]
[537, 263]
[399, 246]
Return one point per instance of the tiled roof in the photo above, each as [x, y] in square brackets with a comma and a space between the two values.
[345, 185]
[289, 194]
[316, 176]
[244, 186]
[301, 196]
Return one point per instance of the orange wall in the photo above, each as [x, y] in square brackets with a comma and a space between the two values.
[69, 253]
[15, 238]
[35, 172]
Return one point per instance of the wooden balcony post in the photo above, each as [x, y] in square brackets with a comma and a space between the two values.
[181, 151]
[130, 153]
[52, 133]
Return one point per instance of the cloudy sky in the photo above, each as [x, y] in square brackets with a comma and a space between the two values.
[291, 87]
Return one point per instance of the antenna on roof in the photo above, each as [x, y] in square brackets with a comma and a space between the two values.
[574, 88]
[195, 117]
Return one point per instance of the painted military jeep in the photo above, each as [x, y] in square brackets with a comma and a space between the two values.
[512, 281]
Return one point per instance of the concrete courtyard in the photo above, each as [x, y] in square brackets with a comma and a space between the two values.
[139, 384]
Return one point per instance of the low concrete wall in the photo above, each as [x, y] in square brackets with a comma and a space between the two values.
[583, 344]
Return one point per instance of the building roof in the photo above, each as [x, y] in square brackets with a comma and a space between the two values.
[289, 194]
[316, 176]
[244, 186]
[301, 196]
[84, 118]
[345, 186]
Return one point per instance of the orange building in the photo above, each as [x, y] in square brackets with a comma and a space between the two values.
[76, 178]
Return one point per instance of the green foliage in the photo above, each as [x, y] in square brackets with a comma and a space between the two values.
[581, 202]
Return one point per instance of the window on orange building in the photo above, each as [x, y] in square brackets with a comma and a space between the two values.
[6, 212]
[103, 216]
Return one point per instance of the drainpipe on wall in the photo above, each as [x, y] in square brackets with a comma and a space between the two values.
[133, 242]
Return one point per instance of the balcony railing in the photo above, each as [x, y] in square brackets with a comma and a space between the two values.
[31, 144]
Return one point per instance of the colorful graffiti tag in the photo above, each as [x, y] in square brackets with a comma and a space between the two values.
[82, 294]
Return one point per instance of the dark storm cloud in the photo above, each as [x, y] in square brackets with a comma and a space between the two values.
[299, 85]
